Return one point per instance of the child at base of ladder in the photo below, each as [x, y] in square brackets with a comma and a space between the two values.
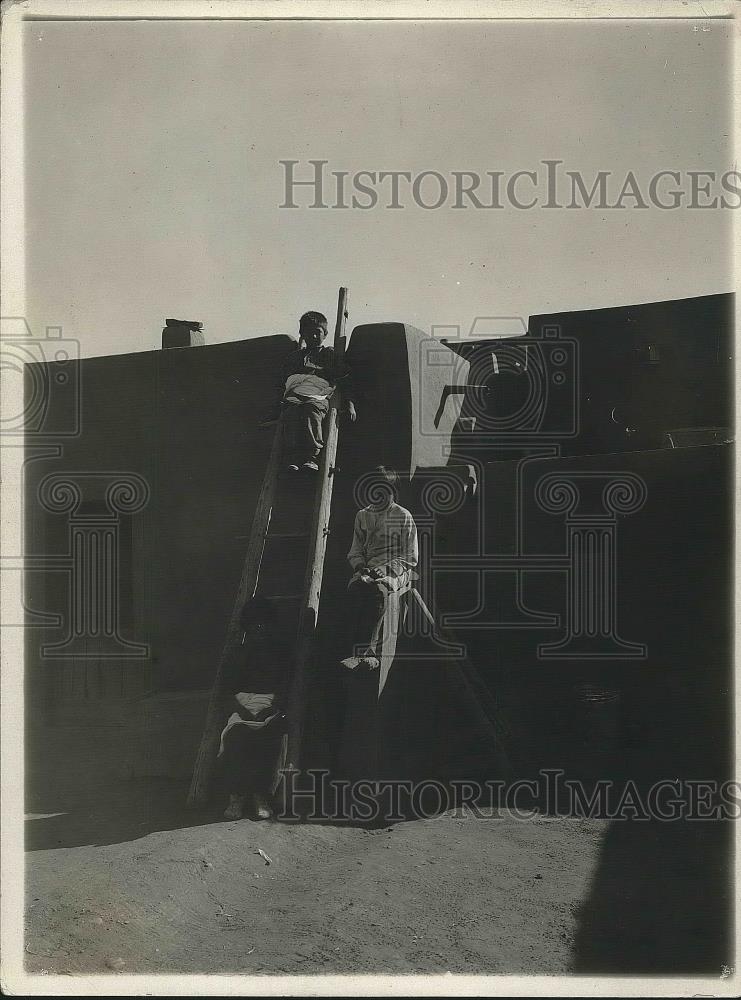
[252, 743]
[383, 556]
[311, 374]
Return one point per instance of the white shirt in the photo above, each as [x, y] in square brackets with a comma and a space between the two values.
[384, 539]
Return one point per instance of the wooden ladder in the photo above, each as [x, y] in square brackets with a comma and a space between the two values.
[284, 561]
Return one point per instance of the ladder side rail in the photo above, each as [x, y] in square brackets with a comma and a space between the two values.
[309, 612]
[206, 757]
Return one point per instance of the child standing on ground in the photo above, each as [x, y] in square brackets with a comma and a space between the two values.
[254, 686]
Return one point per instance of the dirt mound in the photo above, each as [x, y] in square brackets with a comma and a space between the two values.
[457, 894]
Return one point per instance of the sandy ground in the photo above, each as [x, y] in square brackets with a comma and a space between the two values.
[121, 877]
[450, 893]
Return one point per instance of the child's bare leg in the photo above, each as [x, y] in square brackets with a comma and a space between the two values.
[370, 606]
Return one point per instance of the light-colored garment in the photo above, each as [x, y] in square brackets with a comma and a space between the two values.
[386, 540]
[254, 704]
[306, 385]
[311, 373]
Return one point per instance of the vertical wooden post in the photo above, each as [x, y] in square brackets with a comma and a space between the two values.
[323, 499]
[309, 614]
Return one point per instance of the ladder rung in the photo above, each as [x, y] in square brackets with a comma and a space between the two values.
[283, 597]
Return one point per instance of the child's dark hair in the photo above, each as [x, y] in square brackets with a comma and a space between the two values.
[382, 475]
[308, 320]
[312, 319]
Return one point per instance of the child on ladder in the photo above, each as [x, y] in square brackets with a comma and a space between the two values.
[252, 741]
[311, 373]
[383, 557]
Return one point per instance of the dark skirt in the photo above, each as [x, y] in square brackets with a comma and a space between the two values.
[251, 759]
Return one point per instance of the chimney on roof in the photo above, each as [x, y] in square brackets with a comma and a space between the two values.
[182, 333]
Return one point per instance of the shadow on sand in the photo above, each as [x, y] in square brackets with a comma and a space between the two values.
[110, 813]
[660, 901]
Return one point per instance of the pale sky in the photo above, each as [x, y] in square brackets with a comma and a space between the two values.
[153, 181]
